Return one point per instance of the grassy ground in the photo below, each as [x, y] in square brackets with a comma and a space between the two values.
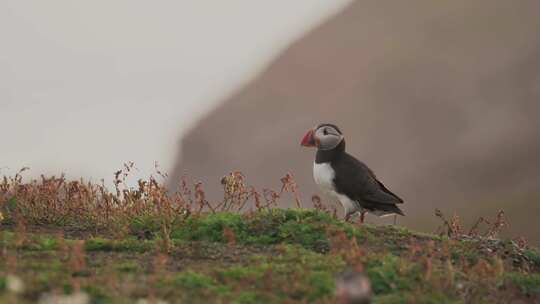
[74, 242]
[269, 256]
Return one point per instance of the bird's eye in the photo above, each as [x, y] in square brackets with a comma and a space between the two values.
[325, 131]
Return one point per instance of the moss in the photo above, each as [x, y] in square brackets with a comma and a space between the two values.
[6, 238]
[533, 256]
[398, 231]
[435, 298]
[41, 243]
[528, 283]
[303, 273]
[43, 265]
[210, 227]
[291, 272]
[466, 250]
[11, 204]
[84, 273]
[246, 297]
[128, 266]
[267, 227]
[279, 255]
[270, 226]
[192, 286]
[32, 242]
[49, 277]
[98, 244]
[472, 256]
[97, 294]
[390, 299]
[298, 257]
[2, 283]
[238, 273]
[145, 226]
[193, 280]
[389, 273]
[67, 288]
[322, 285]
[309, 235]
[417, 298]
[129, 245]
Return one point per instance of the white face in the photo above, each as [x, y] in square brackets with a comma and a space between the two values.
[327, 137]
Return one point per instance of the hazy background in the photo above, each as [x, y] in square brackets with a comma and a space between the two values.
[440, 98]
[86, 86]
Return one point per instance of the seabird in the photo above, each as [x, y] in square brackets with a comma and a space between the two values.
[345, 178]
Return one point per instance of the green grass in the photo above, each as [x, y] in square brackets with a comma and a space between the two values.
[534, 257]
[128, 245]
[529, 284]
[277, 255]
[305, 227]
[389, 273]
[2, 283]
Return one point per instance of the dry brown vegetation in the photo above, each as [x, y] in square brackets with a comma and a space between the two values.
[65, 239]
[84, 206]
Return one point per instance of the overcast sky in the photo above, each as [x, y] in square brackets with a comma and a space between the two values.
[88, 85]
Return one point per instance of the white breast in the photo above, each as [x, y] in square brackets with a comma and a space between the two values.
[324, 177]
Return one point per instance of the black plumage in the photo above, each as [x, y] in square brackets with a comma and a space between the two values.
[357, 181]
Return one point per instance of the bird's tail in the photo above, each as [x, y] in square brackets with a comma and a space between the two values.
[387, 209]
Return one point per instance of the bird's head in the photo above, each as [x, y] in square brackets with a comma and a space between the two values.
[323, 137]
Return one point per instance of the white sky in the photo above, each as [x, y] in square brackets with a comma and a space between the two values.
[88, 85]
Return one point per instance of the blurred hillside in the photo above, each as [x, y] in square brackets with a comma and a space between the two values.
[440, 98]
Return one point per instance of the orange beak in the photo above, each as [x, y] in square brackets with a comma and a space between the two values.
[308, 140]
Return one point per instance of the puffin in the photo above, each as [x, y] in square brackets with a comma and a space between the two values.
[345, 178]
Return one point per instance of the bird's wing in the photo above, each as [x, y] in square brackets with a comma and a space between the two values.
[355, 179]
[384, 189]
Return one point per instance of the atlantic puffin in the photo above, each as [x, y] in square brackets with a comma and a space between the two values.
[345, 178]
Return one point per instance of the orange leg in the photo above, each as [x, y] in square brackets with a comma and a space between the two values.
[362, 216]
